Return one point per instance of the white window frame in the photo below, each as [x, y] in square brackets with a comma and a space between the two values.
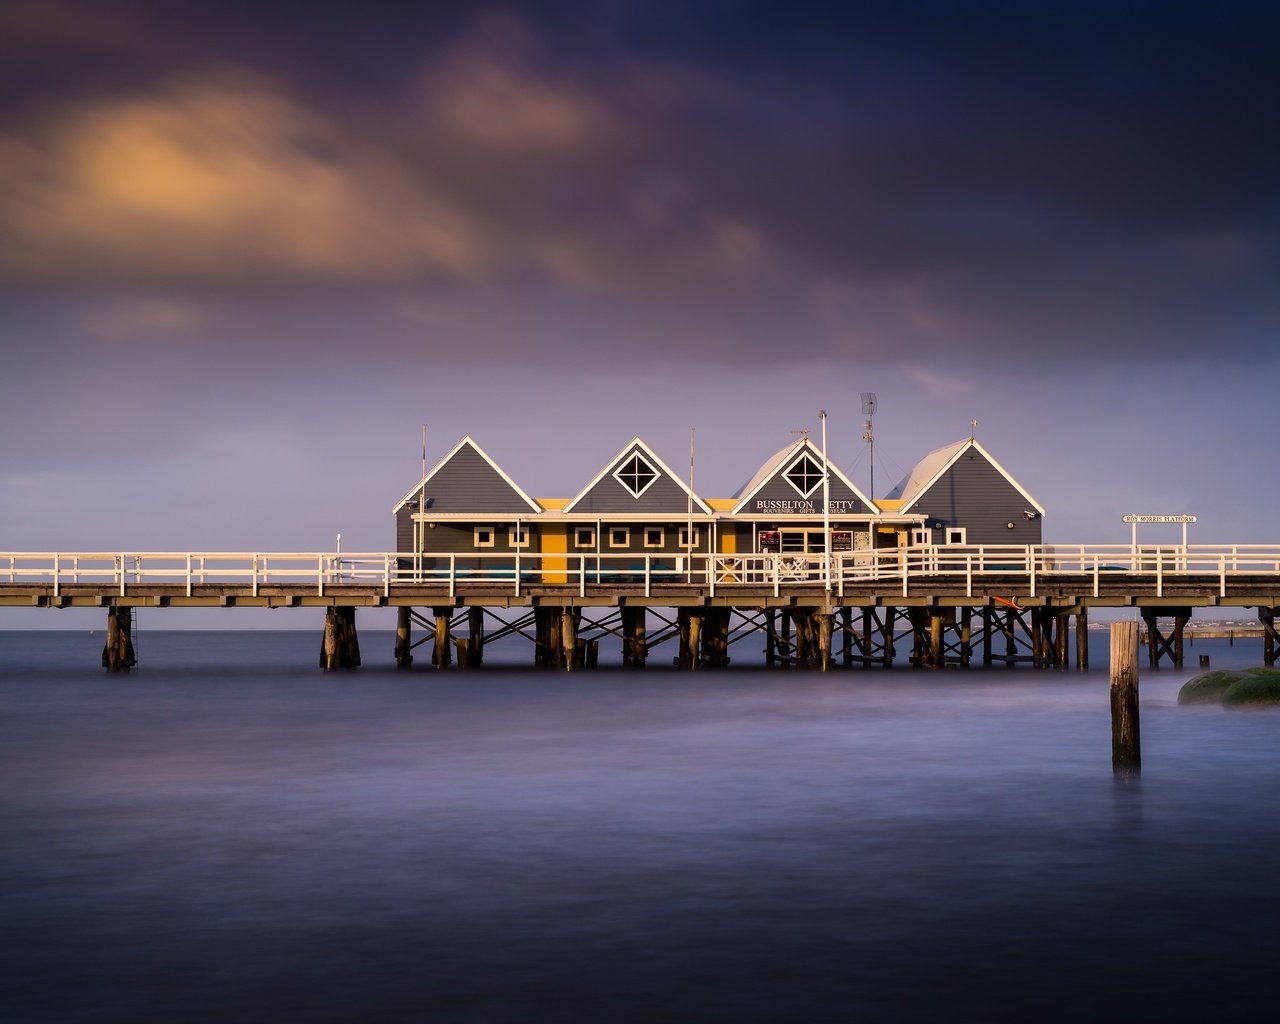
[683, 538]
[492, 533]
[661, 533]
[518, 536]
[957, 535]
[786, 474]
[626, 536]
[579, 532]
[921, 536]
[644, 462]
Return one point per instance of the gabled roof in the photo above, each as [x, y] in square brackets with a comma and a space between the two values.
[781, 460]
[930, 469]
[469, 446]
[636, 445]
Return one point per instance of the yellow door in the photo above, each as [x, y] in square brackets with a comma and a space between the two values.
[555, 541]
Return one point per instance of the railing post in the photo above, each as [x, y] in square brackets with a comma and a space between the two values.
[968, 574]
[386, 575]
[648, 575]
[1031, 566]
[1222, 575]
[319, 574]
[517, 590]
[57, 578]
[188, 574]
[582, 574]
[453, 575]
[122, 574]
[255, 574]
[1159, 572]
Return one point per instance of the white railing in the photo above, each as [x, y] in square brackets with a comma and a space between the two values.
[1021, 568]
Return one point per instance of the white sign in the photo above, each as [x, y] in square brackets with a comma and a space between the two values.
[1159, 519]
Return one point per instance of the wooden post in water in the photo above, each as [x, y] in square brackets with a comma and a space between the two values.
[1267, 616]
[823, 624]
[695, 641]
[118, 654]
[340, 648]
[568, 638]
[404, 646]
[1126, 744]
[1082, 640]
[475, 622]
[441, 655]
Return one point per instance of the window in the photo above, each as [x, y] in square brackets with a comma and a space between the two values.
[619, 537]
[636, 475]
[956, 535]
[654, 536]
[518, 536]
[921, 535]
[684, 537]
[805, 475]
[483, 536]
[584, 537]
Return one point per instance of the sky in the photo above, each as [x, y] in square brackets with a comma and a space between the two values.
[246, 255]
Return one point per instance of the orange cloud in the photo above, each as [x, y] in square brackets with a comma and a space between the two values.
[220, 177]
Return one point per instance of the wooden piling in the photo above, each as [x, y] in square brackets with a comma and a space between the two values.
[441, 655]
[695, 641]
[823, 624]
[1126, 745]
[404, 646]
[1082, 640]
[340, 647]
[475, 623]
[118, 654]
[1267, 616]
[569, 639]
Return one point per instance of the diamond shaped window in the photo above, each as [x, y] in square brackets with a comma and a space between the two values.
[636, 475]
[805, 475]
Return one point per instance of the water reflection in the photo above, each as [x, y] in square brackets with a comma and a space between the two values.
[204, 844]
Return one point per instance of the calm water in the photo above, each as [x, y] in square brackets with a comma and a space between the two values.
[230, 835]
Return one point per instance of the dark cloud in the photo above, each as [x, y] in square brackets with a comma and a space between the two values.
[699, 179]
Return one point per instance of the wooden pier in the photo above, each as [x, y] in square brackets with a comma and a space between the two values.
[941, 607]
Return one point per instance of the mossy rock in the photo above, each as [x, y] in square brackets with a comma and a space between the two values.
[1265, 672]
[1254, 688]
[1209, 688]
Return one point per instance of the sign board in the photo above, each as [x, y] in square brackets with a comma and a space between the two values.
[1159, 519]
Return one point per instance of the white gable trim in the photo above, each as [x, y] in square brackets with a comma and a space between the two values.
[635, 444]
[465, 442]
[960, 450]
[784, 459]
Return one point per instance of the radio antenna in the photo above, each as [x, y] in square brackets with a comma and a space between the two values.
[868, 435]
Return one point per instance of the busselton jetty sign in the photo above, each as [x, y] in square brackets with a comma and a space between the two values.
[804, 506]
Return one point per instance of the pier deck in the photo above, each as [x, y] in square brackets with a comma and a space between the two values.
[1024, 595]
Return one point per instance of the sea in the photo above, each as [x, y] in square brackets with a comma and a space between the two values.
[229, 834]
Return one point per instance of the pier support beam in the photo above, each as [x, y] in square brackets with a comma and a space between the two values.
[341, 646]
[689, 624]
[1267, 616]
[822, 636]
[472, 654]
[441, 654]
[715, 637]
[570, 658]
[1082, 640]
[1159, 645]
[118, 654]
[634, 646]
[404, 645]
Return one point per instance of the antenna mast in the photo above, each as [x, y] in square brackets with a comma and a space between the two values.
[868, 435]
